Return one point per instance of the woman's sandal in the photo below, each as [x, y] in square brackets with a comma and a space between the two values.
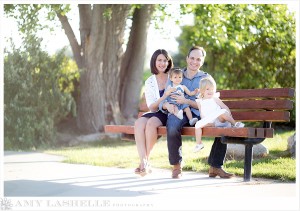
[145, 171]
[137, 170]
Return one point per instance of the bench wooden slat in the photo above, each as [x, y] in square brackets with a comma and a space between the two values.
[207, 132]
[127, 129]
[282, 104]
[258, 93]
[260, 104]
[257, 116]
[269, 116]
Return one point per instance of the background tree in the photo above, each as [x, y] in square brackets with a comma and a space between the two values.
[248, 46]
[99, 56]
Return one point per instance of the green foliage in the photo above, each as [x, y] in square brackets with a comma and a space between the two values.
[255, 44]
[107, 13]
[36, 95]
[31, 18]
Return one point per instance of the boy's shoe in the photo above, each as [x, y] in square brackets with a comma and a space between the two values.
[180, 114]
[198, 147]
[239, 124]
[193, 121]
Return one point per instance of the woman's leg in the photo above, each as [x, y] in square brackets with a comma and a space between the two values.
[151, 134]
[140, 138]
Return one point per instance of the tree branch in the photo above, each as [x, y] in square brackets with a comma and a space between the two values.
[72, 39]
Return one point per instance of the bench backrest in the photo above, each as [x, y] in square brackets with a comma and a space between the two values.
[253, 105]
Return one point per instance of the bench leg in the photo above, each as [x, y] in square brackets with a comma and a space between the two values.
[248, 162]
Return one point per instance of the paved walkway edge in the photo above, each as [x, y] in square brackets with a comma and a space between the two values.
[37, 181]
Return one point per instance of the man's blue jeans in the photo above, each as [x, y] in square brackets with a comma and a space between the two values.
[174, 140]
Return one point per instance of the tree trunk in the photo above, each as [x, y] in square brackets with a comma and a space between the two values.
[99, 57]
[99, 80]
[133, 62]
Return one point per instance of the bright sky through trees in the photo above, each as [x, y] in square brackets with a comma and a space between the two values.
[157, 38]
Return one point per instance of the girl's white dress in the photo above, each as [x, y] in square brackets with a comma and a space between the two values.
[209, 113]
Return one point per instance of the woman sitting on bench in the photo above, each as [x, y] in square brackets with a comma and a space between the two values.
[145, 127]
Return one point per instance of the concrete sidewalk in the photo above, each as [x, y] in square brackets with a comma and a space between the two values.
[41, 175]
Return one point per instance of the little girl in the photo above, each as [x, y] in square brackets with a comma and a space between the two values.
[213, 112]
[175, 76]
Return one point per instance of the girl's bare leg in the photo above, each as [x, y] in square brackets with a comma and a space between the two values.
[198, 134]
[226, 117]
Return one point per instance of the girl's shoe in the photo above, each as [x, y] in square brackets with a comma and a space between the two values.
[239, 124]
[198, 147]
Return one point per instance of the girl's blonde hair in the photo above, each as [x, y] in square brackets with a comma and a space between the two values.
[207, 81]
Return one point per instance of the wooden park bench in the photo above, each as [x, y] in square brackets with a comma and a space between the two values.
[247, 105]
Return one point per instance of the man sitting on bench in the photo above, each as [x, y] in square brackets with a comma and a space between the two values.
[191, 78]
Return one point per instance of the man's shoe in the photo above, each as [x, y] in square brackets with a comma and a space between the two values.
[213, 172]
[177, 171]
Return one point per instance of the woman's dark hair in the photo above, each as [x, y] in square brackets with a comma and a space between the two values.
[154, 57]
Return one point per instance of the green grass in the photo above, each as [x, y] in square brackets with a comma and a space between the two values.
[116, 153]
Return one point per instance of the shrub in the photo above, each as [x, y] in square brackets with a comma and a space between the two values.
[33, 98]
